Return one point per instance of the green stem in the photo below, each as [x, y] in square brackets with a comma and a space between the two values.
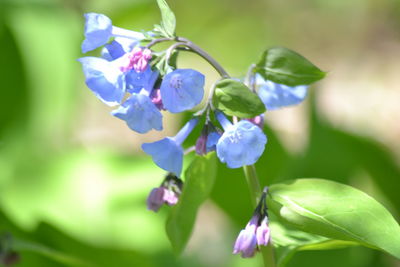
[252, 181]
[255, 195]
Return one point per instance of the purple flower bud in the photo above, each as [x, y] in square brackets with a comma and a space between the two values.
[138, 60]
[155, 199]
[208, 139]
[155, 97]
[258, 120]
[246, 243]
[168, 193]
[263, 233]
[256, 233]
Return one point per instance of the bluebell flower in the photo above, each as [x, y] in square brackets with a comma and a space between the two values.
[117, 48]
[105, 79]
[167, 153]
[99, 29]
[241, 143]
[136, 81]
[140, 113]
[276, 95]
[182, 89]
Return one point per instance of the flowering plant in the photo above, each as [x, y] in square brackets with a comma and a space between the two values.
[143, 83]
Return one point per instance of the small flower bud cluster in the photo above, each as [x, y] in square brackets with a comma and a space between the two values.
[256, 233]
[167, 193]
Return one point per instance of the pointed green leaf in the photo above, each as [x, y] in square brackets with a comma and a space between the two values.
[236, 99]
[336, 211]
[284, 66]
[199, 181]
[168, 22]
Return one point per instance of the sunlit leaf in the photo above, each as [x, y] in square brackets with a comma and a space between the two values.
[199, 181]
[284, 66]
[168, 22]
[236, 99]
[336, 211]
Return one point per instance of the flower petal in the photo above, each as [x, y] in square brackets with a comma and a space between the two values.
[106, 81]
[182, 89]
[98, 29]
[140, 114]
[241, 144]
[276, 95]
[167, 154]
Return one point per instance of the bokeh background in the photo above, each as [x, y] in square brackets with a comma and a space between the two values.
[73, 180]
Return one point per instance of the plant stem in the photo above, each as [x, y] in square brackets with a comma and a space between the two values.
[254, 185]
[204, 55]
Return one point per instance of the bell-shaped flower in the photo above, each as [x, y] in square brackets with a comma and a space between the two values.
[140, 113]
[105, 79]
[99, 29]
[167, 153]
[136, 81]
[241, 143]
[275, 95]
[182, 89]
[117, 48]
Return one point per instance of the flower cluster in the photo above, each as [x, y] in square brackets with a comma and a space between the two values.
[256, 233]
[143, 84]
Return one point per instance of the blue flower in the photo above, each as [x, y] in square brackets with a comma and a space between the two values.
[99, 29]
[140, 114]
[241, 143]
[276, 95]
[104, 79]
[182, 89]
[167, 153]
[136, 81]
[117, 48]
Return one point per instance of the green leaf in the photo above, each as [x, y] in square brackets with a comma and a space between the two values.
[236, 99]
[168, 22]
[199, 181]
[336, 211]
[288, 240]
[284, 66]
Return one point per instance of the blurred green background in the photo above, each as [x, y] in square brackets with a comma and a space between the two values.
[73, 180]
